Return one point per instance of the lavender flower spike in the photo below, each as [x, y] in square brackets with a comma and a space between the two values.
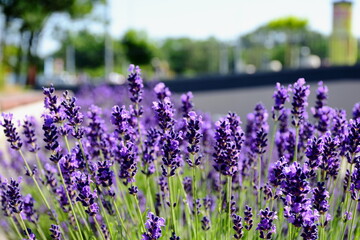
[153, 226]
[281, 95]
[266, 226]
[135, 87]
[186, 103]
[55, 232]
[29, 133]
[356, 111]
[10, 131]
[299, 103]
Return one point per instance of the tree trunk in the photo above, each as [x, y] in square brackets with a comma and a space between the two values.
[31, 68]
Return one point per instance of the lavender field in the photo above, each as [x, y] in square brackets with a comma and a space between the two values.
[147, 164]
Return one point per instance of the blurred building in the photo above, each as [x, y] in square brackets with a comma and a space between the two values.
[343, 46]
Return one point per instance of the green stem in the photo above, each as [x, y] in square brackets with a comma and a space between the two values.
[105, 215]
[41, 168]
[15, 227]
[38, 186]
[149, 194]
[196, 220]
[290, 234]
[188, 213]
[81, 211]
[229, 205]
[296, 143]
[259, 182]
[140, 215]
[99, 228]
[119, 216]
[352, 221]
[24, 226]
[69, 199]
[271, 147]
[171, 193]
[40, 231]
[67, 143]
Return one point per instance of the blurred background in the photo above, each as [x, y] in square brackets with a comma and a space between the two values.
[72, 42]
[77, 41]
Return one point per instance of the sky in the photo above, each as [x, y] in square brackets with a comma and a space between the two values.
[225, 19]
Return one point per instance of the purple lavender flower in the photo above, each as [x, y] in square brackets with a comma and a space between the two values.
[248, 220]
[205, 223]
[5, 207]
[266, 227]
[55, 232]
[330, 156]
[51, 103]
[320, 197]
[32, 236]
[95, 131]
[353, 141]
[186, 103]
[13, 198]
[281, 95]
[73, 115]
[151, 148]
[105, 232]
[126, 156]
[324, 115]
[355, 184]
[260, 142]
[171, 153]
[193, 136]
[153, 226]
[299, 103]
[10, 131]
[310, 232]
[314, 150]
[276, 174]
[255, 122]
[104, 176]
[51, 138]
[135, 84]
[174, 237]
[161, 91]
[28, 212]
[187, 182]
[196, 206]
[260, 118]
[62, 198]
[229, 138]
[356, 111]
[295, 188]
[164, 113]
[321, 98]
[238, 227]
[85, 196]
[29, 133]
[340, 128]
[120, 117]
[133, 190]
[50, 177]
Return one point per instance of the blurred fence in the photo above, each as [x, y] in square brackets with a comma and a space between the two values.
[221, 82]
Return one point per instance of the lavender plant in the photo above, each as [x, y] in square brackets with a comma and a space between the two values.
[146, 164]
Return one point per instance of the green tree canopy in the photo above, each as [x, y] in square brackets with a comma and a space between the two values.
[138, 48]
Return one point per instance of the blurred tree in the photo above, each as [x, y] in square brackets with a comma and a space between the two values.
[89, 52]
[281, 39]
[32, 16]
[190, 57]
[138, 48]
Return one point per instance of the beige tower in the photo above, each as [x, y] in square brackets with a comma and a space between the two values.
[343, 47]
